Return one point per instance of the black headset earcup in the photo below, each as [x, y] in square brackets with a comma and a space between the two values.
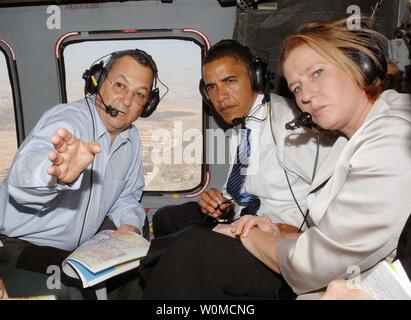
[366, 64]
[93, 78]
[151, 104]
[154, 98]
[258, 75]
[204, 93]
[371, 70]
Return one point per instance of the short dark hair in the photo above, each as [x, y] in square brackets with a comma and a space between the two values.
[138, 55]
[229, 48]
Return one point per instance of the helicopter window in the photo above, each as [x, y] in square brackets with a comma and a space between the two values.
[173, 135]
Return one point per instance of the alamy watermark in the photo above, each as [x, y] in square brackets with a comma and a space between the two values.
[354, 281]
[54, 17]
[179, 146]
[54, 280]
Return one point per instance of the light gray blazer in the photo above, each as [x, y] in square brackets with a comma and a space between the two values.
[357, 217]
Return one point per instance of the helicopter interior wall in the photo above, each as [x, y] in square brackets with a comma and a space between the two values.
[264, 31]
[25, 29]
[10, 3]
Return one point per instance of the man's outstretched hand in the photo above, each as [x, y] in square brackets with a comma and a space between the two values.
[71, 156]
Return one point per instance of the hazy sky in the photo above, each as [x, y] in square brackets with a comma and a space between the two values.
[178, 61]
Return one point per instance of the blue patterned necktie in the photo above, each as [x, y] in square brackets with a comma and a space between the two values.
[238, 174]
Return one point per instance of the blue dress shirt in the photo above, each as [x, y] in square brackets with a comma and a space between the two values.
[35, 207]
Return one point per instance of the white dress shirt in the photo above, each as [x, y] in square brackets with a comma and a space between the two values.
[293, 152]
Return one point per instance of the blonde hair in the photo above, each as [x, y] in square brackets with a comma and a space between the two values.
[334, 41]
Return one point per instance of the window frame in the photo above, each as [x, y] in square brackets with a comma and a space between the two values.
[191, 35]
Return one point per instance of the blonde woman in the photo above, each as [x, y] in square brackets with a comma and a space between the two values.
[359, 201]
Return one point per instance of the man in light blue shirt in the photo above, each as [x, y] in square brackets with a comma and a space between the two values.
[81, 163]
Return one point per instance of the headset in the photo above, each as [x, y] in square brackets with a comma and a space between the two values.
[371, 70]
[259, 74]
[96, 74]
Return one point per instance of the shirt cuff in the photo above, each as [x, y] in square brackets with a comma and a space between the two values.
[67, 186]
[134, 221]
[285, 248]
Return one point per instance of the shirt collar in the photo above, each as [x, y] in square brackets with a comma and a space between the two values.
[100, 128]
[126, 133]
[382, 103]
[258, 114]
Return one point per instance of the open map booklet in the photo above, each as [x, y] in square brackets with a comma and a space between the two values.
[388, 282]
[103, 257]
